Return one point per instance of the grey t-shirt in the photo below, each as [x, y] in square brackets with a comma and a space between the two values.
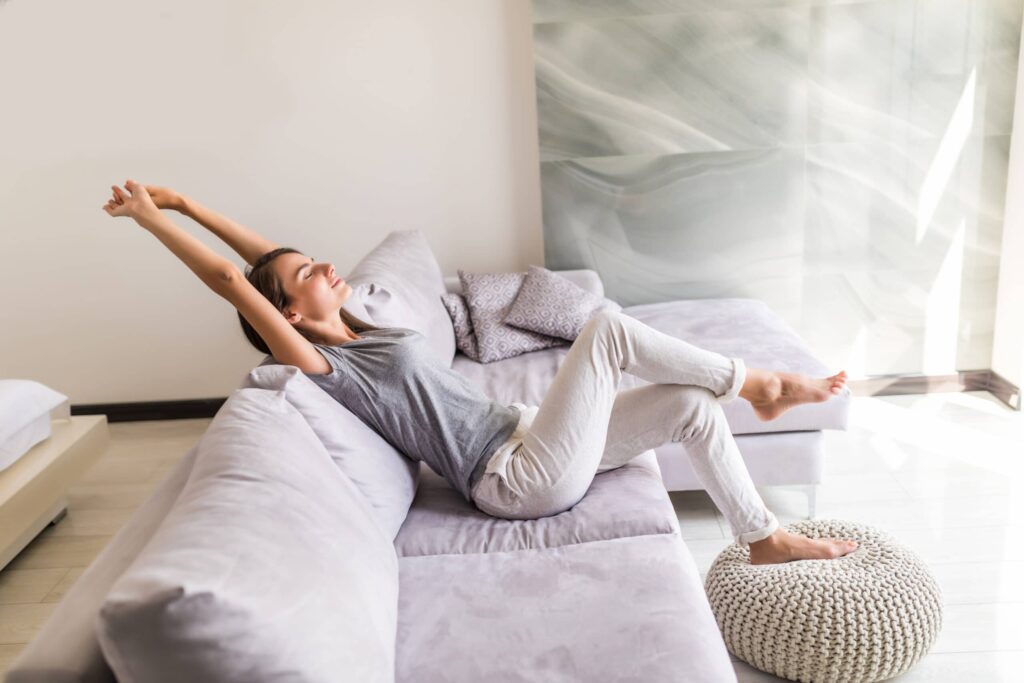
[393, 382]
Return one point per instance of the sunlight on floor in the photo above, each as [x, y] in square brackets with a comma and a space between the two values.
[942, 473]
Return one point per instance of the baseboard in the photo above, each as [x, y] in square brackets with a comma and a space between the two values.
[882, 385]
[1005, 390]
[965, 380]
[152, 410]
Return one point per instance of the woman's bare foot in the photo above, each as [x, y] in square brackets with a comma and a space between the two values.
[772, 393]
[784, 546]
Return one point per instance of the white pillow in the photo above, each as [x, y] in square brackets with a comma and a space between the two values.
[268, 568]
[25, 413]
[385, 477]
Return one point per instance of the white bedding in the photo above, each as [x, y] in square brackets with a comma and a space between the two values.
[19, 443]
[26, 409]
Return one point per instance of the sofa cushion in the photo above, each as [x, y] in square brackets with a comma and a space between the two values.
[268, 567]
[627, 609]
[745, 328]
[489, 297]
[384, 476]
[407, 290]
[355, 302]
[465, 337]
[550, 304]
[628, 501]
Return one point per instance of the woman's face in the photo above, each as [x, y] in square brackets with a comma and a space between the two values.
[315, 289]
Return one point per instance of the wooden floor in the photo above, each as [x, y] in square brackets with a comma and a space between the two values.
[944, 473]
[140, 456]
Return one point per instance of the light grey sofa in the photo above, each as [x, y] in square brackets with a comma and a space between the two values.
[605, 591]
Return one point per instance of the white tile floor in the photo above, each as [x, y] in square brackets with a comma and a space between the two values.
[944, 474]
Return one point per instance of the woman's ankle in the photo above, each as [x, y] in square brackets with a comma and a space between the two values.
[761, 386]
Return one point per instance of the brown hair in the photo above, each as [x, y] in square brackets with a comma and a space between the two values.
[261, 276]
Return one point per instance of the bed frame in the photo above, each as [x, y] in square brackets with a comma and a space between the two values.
[33, 490]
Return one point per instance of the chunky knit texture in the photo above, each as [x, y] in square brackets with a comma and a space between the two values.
[867, 616]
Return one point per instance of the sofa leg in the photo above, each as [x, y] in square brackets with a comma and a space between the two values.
[812, 500]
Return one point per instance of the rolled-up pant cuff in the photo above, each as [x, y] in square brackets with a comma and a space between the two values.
[746, 538]
[739, 376]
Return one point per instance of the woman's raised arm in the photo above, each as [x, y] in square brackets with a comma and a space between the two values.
[246, 243]
[220, 275]
[212, 268]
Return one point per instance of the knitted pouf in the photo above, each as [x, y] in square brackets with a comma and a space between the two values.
[867, 616]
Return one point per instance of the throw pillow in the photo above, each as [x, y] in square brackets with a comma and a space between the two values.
[489, 296]
[268, 567]
[407, 290]
[386, 478]
[465, 337]
[550, 304]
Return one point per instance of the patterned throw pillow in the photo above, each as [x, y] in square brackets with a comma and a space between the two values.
[489, 297]
[465, 338]
[550, 304]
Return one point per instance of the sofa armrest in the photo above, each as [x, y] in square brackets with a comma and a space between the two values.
[584, 277]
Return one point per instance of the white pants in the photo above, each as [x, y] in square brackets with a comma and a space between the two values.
[585, 426]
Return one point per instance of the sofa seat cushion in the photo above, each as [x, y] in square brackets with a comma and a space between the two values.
[628, 501]
[629, 609]
[745, 328]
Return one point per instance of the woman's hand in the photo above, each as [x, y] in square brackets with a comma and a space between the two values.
[165, 197]
[136, 203]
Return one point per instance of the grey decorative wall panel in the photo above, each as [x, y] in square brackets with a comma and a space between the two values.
[845, 162]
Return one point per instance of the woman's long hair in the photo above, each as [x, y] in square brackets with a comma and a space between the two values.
[266, 282]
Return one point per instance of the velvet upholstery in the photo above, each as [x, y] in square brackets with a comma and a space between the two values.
[267, 569]
[625, 609]
[627, 501]
[384, 476]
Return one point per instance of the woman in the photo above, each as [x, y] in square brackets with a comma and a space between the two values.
[516, 462]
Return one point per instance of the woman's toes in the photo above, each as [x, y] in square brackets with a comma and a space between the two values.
[846, 547]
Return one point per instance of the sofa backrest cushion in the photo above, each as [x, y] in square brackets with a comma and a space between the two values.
[385, 477]
[269, 566]
[407, 288]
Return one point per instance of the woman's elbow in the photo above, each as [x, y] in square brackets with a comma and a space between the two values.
[225, 277]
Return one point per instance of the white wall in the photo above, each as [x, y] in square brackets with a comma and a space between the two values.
[1008, 345]
[323, 125]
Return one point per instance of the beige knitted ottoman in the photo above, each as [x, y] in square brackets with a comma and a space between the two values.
[867, 616]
